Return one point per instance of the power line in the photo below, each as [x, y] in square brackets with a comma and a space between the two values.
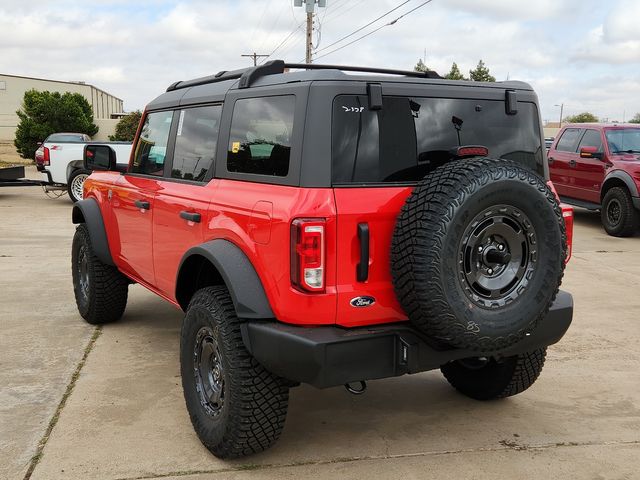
[283, 41]
[365, 26]
[393, 22]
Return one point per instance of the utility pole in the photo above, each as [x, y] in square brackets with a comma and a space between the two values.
[255, 57]
[561, 111]
[310, 7]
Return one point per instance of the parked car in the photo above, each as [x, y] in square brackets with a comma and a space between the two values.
[597, 166]
[548, 141]
[59, 158]
[329, 229]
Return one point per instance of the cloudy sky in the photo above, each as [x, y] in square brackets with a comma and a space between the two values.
[582, 53]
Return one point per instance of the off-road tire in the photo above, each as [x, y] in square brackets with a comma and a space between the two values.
[626, 219]
[496, 378]
[428, 253]
[251, 413]
[105, 288]
[74, 181]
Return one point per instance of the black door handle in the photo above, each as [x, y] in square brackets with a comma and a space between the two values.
[362, 270]
[550, 160]
[191, 216]
[572, 163]
[142, 204]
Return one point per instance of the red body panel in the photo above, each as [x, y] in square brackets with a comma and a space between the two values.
[379, 208]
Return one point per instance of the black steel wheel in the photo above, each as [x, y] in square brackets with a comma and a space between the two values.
[498, 255]
[478, 253]
[236, 406]
[619, 217]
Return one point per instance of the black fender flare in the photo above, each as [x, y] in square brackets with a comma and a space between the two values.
[238, 274]
[624, 177]
[87, 211]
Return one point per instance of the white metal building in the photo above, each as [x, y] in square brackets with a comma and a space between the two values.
[106, 107]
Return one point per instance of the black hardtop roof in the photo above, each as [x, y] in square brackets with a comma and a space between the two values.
[277, 72]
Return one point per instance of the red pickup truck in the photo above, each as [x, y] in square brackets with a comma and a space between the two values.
[597, 166]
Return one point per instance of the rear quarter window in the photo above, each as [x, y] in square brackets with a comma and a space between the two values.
[261, 135]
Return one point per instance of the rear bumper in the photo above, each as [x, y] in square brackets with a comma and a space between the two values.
[331, 356]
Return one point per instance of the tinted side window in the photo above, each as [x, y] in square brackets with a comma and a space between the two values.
[261, 133]
[569, 140]
[196, 140]
[591, 138]
[151, 149]
[409, 137]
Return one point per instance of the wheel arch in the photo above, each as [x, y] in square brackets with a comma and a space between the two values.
[87, 211]
[618, 178]
[220, 262]
[73, 166]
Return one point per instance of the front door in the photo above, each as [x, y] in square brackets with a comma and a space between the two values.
[134, 195]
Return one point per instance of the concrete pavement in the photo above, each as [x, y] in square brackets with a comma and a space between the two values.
[125, 418]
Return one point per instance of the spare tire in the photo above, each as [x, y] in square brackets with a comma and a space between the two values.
[478, 253]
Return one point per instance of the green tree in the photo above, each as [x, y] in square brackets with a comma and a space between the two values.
[481, 73]
[44, 113]
[420, 67]
[584, 117]
[635, 119]
[454, 73]
[126, 128]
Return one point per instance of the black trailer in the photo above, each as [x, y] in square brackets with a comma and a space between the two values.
[14, 177]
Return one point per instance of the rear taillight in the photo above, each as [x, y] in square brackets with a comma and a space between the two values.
[308, 254]
[45, 156]
[567, 215]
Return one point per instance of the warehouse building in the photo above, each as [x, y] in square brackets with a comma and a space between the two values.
[107, 109]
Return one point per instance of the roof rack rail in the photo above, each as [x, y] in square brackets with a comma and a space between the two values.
[248, 76]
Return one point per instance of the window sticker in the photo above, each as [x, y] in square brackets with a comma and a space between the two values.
[235, 147]
[180, 122]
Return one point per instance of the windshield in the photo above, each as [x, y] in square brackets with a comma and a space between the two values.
[66, 137]
[624, 140]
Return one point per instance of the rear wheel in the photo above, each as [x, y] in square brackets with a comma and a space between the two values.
[488, 379]
[75, 184]
[619, 217]
[236, 406]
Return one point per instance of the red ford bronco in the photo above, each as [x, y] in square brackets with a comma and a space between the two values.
[330, 228]
[597, 166]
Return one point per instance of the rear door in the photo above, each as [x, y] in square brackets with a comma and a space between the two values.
[181, 203]
[563, 160]
[134, 194]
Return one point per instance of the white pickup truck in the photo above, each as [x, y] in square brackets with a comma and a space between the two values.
[59, 159]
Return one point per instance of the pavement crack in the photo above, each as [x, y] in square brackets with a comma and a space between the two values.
[63, 401]
[504, 446]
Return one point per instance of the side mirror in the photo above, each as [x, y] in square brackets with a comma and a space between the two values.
[99, 157]
[590, 152]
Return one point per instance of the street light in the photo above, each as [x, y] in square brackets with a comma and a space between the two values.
[561, 110]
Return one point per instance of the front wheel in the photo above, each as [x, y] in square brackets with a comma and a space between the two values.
[101, 291]
[75, 184]
[619, 217]
[236, 406]
[489, 378]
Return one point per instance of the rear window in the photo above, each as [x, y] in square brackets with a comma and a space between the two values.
[261, 132]
[66, 137]
[409, 137]
[569, 140]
